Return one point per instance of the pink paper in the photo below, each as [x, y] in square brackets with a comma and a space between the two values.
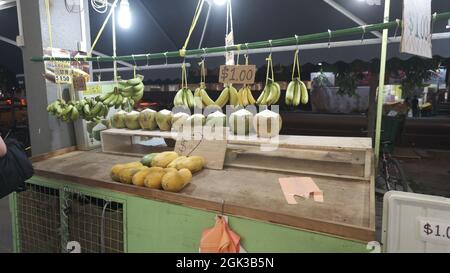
[300, 186]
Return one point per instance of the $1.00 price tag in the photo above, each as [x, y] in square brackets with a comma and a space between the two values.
[433, 230]
[239, 74]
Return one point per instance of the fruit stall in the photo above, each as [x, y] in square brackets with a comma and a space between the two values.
[156, 181]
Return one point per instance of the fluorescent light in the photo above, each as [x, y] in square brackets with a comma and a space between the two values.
[220, 2]
[124, 14]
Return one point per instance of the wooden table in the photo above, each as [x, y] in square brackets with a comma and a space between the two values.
[347, 212]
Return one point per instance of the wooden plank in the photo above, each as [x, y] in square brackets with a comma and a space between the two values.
[212, 150]
[368, 165]
[59, 152]
[280, 164]
[283, 141]
[247, 193]
[329, 156]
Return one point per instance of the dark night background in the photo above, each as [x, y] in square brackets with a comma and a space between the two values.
[254, 20]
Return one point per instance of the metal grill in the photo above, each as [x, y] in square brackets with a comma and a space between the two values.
[38, 219]
[48, 219]
[97, 224]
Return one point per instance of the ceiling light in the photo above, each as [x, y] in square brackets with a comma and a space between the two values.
[124, 14]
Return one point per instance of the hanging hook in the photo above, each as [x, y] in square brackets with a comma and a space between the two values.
[364, 33]
[432, 25]
[396, 29]
[134, 60]
[165, 55]
[270, 43]
[296, 41]
[329, 38]
[148, 56]
[99, 76]
[204, 54]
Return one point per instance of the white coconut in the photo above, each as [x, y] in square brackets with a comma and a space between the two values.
[164, 120]
[178, 121]
[147, 119]
[241, 122]
[118, 119]
[132, 120]
[267, 124]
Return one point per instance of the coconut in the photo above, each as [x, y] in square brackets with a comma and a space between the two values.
[267, 124]
[147, 119]
[241, 122]
[164, 120]
[132, 120]
[178, 121]
[197, 120]
[216, 119]
[118, 119]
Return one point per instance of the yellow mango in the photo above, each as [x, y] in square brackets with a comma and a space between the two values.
[193, 163]
[153, 179]
[163, 159]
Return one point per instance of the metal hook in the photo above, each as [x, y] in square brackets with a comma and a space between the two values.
[165, 55]
[147, 56]
[432, 25]
[134, 60]
[396, 29]
[204, 54]
[270, 43]
[296, 40]
[329, 38]
[364, 33]
[99, 76]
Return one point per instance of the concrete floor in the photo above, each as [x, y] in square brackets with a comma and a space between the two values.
[428, 172]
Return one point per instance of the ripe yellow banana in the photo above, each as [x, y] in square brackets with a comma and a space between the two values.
[223, 98]
[234, 98]
[250, 98]
[304, 93]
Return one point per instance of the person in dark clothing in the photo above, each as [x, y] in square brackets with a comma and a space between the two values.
[415, 106]
[2, 148]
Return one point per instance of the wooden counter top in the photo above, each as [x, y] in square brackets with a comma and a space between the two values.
[347, 211]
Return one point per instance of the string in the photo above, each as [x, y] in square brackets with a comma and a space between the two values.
[194, 23]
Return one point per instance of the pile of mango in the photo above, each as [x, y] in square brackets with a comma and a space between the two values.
[166, 170]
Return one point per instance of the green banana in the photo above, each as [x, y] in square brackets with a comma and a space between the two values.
[138, 96]
[74, 115]
[290, 91]
[274, 94]
[136, 80]
[189, 98]
[97, 108]
[178, 100]
[297, 95]
[304, 93]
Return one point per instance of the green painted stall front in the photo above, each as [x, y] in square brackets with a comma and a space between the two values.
[152, 226]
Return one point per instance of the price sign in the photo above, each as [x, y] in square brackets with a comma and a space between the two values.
[93, 90]
[239, 74]
[79, 83]
[434, 230]
[416, 33]
[63, 72]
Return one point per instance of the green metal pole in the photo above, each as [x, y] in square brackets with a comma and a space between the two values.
[380, 99]
[261, 44]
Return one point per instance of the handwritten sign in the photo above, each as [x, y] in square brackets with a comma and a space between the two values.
[200, 143]
[63, 72]
[239, 74]
[79, 83]
[416, 33]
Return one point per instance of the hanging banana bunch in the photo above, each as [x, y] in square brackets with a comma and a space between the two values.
[296, 92]
[184, 96]
[64, 111]
[245, 95]
[92, 109]
[125, 94]
[272, 91]
[201, 97]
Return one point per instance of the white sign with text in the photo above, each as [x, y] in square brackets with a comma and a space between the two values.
[416, 33]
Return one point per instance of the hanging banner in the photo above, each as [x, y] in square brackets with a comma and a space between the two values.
[416, 32]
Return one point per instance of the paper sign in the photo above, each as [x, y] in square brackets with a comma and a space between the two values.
[79, 83]
[63, 72]
[416, 32]
[300, 186]
[238, 74]
[229, 56]
[434, 230]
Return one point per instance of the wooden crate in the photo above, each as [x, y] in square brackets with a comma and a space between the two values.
[342, 157]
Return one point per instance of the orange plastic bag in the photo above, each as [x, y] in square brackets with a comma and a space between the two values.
[220, 239]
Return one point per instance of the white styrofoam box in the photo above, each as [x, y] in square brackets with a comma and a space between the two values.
[415, 223]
